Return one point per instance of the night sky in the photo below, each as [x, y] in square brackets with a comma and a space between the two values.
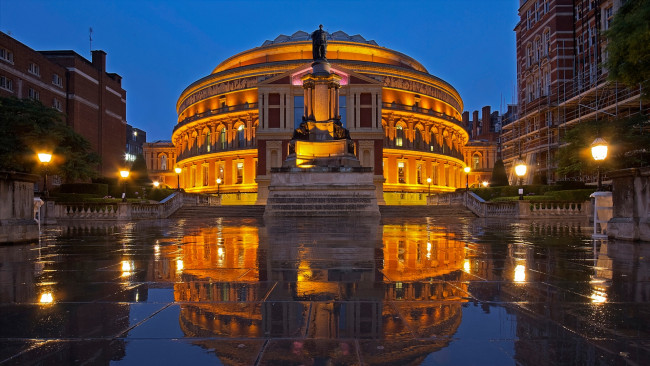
[160, 47]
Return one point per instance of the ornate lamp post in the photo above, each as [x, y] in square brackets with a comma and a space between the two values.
[124, 174]
[467, 170]
[218, 184]
[520, 170]
[178, 178]
[45, 158]
[599, 153]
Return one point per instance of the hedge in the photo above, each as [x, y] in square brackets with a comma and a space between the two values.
[96, 189]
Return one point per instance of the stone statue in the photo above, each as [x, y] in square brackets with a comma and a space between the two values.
[319, 43]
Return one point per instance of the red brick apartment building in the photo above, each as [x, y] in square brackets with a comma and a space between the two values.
[92, 99]
[561, 81]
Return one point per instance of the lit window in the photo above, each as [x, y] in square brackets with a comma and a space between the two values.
[222, 139]
[163, 162]
[240, 173]
[6, 83]
[419, 174]
[399, 136]
[401, 172]
[241, 136]
[34, 69]
[205, 176]
[476, 162]
[207, 141]
[6, 55]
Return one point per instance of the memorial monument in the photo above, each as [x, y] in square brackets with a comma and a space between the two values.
[321, 175]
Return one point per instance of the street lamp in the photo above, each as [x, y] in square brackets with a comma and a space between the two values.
[178, 178]
[45, 158]
[467, 169]
[599, 152]
[218, 183]
[124, 174]
[520, 170]
[429, 182]
[156, 184]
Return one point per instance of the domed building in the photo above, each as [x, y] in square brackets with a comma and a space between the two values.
[234, 125]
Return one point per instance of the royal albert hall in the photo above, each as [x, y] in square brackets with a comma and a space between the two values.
[235, 124]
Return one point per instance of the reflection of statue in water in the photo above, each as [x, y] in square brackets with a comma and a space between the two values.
[319, 43]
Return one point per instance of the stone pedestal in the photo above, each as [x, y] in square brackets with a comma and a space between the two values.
[631, 199]
[322, 192]
[17, 222]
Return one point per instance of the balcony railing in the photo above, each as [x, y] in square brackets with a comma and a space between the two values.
[216, 112]
[215, 148]
[416, 109]
[422, 146]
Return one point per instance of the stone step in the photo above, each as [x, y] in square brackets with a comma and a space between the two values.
[425, 211]
[219, 211]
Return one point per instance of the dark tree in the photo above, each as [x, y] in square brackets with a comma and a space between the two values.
[499, 175]
[628, 45]
[27, 127]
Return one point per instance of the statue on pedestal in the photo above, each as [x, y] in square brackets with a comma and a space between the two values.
[319, 44]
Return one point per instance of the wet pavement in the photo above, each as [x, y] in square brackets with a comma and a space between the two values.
[424, 291]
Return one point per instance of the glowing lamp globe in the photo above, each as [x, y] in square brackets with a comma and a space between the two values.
[467, 169]
[44, 157]
[599, 149]
[124, 173]
[520, 169]
[177, 170]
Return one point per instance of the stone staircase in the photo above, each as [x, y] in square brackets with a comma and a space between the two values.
[425, 211]
[201, 212]
[191, 212]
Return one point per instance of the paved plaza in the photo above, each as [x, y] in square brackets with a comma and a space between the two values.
[430, 291]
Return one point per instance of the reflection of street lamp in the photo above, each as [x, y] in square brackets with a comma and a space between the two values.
[599, 152]
[45, 158]
[429, 181]
[178, 178]
[467, 169]
[520, 170]
[218, 184]
[124, 174]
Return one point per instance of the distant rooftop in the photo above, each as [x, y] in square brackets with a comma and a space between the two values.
[304, 36]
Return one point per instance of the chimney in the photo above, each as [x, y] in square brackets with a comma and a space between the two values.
[466, 120]
[485, 123]
[474, 124]
[99, 60]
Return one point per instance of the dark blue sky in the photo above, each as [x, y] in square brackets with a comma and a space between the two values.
[160, 47]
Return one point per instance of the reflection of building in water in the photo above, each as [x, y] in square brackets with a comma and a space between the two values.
[329, 275]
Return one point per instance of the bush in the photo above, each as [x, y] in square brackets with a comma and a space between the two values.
[74, 197]
[569, 184]
[96, 189]
[576, 195]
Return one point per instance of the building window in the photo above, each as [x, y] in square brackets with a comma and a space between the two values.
[6, 55]
[205, 176]
[399, 136]
[609, 15]
[419, 174]
[33, 94]
[298, 110]
[241, 136]
[56, 104]
[240, 173]
[34, 69]
[56, 80]
[193, 175]
[221, 173]
[401, 172]
[6, 83]
[476, 162]
[222, 139]
[163, 162]
[419, 142]
[546, 42]
[207, 142]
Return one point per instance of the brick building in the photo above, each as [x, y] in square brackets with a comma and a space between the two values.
[135, 139]
[561, 81]
[92, 99]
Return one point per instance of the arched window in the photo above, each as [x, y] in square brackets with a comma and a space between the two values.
[241, 136]
[399, 136]
[419, 174]
[432, 141]
[195, 144]
[222, 139]
[207, 142]
[163, 162]
[476, 162]
[419, 142]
